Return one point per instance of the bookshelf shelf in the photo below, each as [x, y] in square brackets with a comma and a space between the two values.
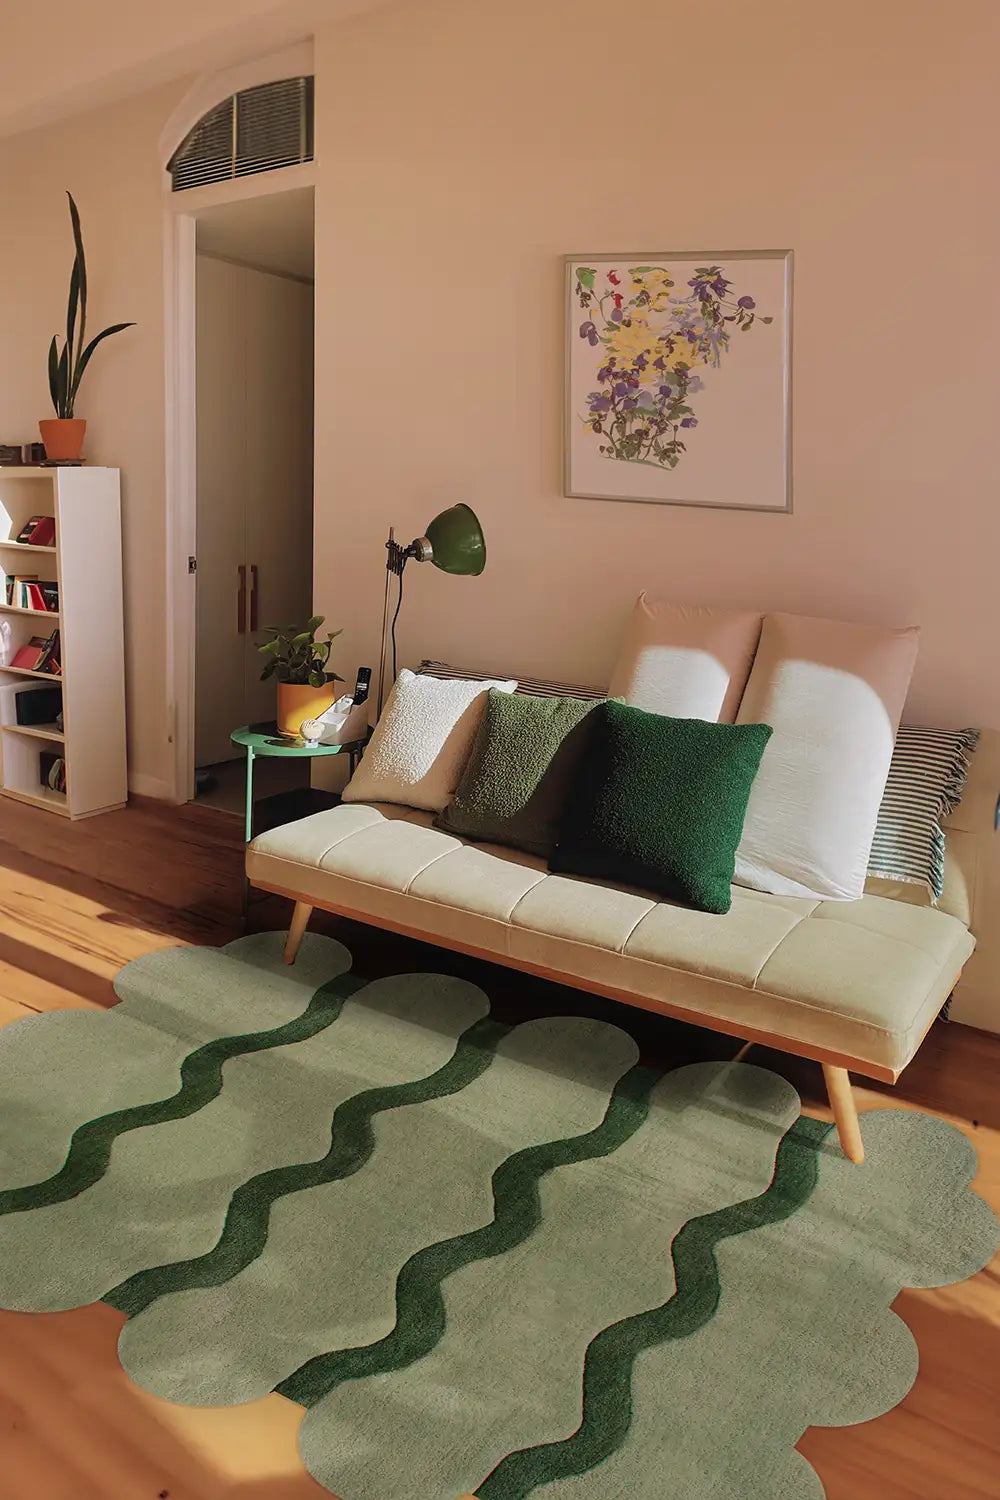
[36, 731]
[86, 564]
[53, 677]
[42, 796]
[38, 614]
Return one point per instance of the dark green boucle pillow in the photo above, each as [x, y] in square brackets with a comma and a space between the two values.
[515, 784]
[660, 803]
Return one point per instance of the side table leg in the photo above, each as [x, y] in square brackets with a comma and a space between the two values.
[247, 831]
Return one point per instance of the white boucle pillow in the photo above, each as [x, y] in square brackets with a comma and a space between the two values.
[422, 741]
[833, 694]
[685, 660]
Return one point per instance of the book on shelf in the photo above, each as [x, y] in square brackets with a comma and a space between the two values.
[28, 591]
[52, 770]
[51, 659]
[40, 531]
[41, 654]
[15, 588]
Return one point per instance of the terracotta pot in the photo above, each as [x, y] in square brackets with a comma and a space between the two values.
[297, 702]
[63, 436]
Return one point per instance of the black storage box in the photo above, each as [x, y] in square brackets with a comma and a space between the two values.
[38, 705]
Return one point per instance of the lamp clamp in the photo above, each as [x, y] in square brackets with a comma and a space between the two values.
[420, 550]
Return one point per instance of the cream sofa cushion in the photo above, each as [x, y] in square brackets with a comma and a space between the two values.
[422, 741]
[862, 981]
[833, 693]
[686, 660]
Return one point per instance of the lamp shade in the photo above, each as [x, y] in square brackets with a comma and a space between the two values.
[457, 541]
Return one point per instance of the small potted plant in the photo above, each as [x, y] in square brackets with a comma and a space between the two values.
[63, 434]
[299, 662]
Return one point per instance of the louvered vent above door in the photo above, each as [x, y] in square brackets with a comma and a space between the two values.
[258, 130]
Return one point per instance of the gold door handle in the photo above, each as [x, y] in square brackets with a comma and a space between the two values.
[254, 596]
[241, 600]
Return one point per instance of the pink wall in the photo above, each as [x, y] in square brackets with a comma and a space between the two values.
[64, 57]
[464, 149]
[109, 161]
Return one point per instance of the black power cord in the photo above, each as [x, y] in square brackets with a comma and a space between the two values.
[399, 605]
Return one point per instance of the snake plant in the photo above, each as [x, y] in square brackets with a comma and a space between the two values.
[66, 368]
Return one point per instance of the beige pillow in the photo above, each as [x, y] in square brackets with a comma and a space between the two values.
[421, 743]
[833, 693]
[685, 660]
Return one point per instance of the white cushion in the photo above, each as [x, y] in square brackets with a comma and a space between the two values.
[833, 693]
[422, 742]
[685, 660]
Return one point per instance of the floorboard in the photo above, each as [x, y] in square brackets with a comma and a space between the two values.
[77, 901]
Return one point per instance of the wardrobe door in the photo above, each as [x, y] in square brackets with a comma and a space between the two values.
[279, 489]
[222, 476]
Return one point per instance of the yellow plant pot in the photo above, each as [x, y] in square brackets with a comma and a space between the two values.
[297, 702]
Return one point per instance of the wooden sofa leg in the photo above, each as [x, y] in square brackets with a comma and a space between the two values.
[845, 1111]
[297, 930]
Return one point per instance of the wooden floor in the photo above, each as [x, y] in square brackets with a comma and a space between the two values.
[77, 901]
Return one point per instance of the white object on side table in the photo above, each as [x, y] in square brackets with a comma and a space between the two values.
[343, 722]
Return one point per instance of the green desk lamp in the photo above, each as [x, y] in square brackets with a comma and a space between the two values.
[453, 542]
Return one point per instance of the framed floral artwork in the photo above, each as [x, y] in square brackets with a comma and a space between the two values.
[678, 378]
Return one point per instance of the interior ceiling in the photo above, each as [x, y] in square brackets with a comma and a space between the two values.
[64, 57]
[274, 233]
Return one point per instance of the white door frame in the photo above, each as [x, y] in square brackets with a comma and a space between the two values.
[180, 428]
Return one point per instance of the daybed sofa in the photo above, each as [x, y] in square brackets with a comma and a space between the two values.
[853, 985]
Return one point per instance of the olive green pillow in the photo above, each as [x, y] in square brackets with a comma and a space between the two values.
[660, 803]
[517, 777]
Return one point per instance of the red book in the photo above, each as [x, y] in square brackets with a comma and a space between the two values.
[44, 534]
[28, 657]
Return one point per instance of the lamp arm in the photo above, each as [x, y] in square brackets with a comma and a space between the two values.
[422, 550]
[395, 561]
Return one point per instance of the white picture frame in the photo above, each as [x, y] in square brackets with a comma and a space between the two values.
[678, 378]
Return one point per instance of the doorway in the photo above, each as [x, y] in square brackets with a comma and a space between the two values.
[254, 295]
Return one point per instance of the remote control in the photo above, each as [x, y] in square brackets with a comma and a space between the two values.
[362, 685]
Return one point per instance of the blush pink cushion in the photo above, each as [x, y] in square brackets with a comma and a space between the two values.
[685, 660]
[833, 693]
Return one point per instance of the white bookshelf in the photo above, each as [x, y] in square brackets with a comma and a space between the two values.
[86, 562]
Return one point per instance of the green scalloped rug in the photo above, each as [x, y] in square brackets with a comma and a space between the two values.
[487, 1259]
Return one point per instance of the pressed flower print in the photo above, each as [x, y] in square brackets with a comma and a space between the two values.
[678, 379]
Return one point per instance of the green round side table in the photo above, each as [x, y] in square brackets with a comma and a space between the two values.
[264, 739]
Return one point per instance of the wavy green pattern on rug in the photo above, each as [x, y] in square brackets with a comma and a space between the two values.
[326, 1276]
[507, 1373]
[778, 1319]
[352, 1141]
[608, 1365]
[167, 1189]
[201, 1082]
[803, 1331]
[60, 1069]
[420, 1308]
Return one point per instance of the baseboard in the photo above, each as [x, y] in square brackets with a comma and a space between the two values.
[978, 1008]
[151, 786]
